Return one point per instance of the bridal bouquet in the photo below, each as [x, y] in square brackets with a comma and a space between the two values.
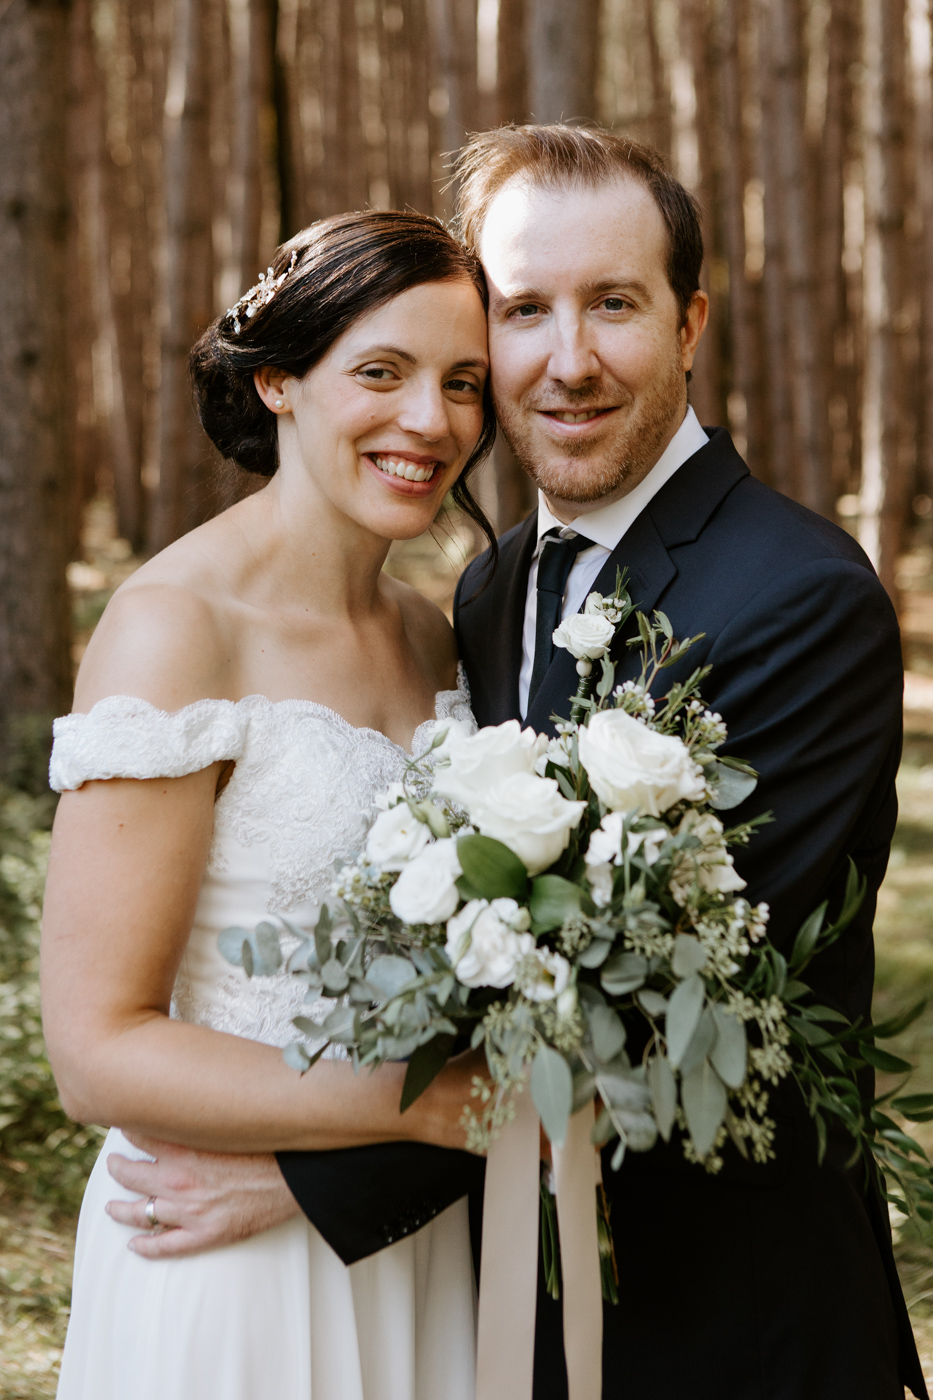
[571, 906]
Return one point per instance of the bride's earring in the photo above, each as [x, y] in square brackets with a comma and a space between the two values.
[279, 403]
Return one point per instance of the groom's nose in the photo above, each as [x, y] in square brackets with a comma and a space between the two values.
[424, 412]
[572, 357]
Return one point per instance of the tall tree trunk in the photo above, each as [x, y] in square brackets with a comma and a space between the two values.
[562, 42]
[922, 74]
[453, 98]
[35, 661]
[777, 377]
[511, 70]
[182, 495]
[792, 206]
[885, 480]
[251, 38]
[836, 333]
[706, 393]
[733, 165]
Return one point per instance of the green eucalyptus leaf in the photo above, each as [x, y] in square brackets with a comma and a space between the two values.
[426, 1063]
[703, 1096]
[606, 1031]
[728, 786]
[490, 870]
[729, 1052]
[334, 976]
[247, 956]
[552, 1091]
[701, 1043]
[917, 1108]
[390, 974]
[297, 1057]
[663, 1088]
[584, 1088]
[230, 941]
[595, 953]
[806, 939]
[653, 1002]
[340, 1025]
[683, 1013]
[622, 973]
[689, 955]
[553, 899]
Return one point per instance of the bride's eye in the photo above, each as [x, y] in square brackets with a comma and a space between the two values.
[377, 374]
[462, 386]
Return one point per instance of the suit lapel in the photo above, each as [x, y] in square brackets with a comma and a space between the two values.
[504, 634]
[676, 516]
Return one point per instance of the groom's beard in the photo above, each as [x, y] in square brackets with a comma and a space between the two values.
[615, 462]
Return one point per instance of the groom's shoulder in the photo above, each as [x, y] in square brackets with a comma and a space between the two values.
[489, 571]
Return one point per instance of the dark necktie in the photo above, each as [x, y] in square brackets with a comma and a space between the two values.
[554, 567]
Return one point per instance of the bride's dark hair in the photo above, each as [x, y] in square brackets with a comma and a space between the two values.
[334, 272]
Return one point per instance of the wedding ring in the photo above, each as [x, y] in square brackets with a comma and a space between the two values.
[151, 1218]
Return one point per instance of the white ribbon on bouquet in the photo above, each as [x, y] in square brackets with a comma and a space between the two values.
[509, 1270]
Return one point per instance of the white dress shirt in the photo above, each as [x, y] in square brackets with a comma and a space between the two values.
[605, 526]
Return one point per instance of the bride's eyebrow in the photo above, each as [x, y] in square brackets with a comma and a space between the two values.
[471, 364]
[376, 352]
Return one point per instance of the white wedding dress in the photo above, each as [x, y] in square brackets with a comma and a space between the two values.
[278, 1316]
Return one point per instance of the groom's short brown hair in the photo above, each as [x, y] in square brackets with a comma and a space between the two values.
[559, 155]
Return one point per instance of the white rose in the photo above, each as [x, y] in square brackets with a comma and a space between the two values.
[486, 942]
[545, 975]
[393, 794]
[426, 891]
[711, 866]
[601, 882]
[527, 814]
[606, 841]
[633, 768]
[585, 635]
[477, 761]
[395, 838]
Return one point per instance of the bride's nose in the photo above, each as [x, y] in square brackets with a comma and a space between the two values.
[424, 412]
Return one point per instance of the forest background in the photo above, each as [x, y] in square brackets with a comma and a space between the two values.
[154, 152]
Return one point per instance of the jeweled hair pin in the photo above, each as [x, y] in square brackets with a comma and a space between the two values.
[257, 297]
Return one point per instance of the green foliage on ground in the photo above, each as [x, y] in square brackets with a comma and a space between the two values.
[42, 1153]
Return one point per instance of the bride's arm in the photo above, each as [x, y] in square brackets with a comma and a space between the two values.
[124, 876]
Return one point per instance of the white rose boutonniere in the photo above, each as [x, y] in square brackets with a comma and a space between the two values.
[527, 814]
[586, 636]
[396, 837]
[487, 941]
[426, 891]
[633, 768]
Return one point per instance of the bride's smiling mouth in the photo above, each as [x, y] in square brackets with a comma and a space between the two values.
[410, 472]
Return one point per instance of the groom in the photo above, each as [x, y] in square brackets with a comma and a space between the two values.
[773, 1281]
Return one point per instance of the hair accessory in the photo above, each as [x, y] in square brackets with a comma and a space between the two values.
[259, 296]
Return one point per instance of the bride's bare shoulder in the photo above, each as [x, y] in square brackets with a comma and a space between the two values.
[168, 634]
[428, 632]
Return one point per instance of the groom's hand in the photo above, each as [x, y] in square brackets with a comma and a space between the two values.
[202, 1199]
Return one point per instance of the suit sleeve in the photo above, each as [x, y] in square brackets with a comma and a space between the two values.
[809, 679]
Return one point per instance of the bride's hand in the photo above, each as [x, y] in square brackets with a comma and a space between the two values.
[436, 1116]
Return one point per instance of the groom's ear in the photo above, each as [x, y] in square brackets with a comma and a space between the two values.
[694, 324]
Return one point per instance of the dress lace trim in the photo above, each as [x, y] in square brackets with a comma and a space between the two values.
[123, 736]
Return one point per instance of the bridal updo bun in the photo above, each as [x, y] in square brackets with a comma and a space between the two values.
[321, 281]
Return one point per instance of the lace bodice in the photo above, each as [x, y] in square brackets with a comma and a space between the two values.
[301, 796]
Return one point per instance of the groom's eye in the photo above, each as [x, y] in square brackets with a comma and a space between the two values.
[615, 303]
[528, 310]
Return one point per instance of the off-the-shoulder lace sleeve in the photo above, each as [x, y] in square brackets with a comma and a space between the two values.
[122, 737]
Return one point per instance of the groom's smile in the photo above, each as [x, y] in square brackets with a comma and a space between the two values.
[589, 350]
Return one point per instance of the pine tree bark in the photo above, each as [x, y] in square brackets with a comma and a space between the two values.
[251, 38]
[35, 662]
[511, 69]
[706, 389]
[922, 73]
[453, 98]
[562, 42]
[807, 388]
[885, 478]
[182, 497]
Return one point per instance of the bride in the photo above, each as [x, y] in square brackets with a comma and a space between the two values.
[246, 695]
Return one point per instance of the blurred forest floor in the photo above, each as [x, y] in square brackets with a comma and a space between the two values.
[36, 1237]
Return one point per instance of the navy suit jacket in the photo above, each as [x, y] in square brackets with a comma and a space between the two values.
[775, 1281]
[762, 1283]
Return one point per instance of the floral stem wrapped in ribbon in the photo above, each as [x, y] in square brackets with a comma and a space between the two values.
[571, 905]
